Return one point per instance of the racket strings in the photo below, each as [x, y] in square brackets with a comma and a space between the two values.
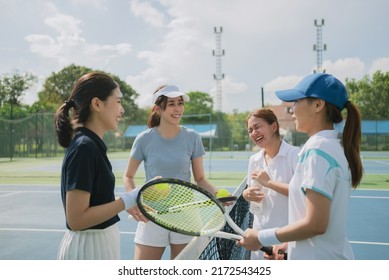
[182, 209]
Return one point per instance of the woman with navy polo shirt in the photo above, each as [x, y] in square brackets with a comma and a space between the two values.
[87, 180]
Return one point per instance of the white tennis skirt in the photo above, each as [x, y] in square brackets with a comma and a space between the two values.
[91, 244]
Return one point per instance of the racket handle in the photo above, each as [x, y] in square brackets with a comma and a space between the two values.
[269, 250]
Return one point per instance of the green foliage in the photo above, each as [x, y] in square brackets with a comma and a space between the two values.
[132, 111]
[198, 108]
[13, 86]
[237, 123]
[58, 86]
[371, 95]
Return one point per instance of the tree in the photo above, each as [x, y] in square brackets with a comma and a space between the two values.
[132, 111]
[12, 88]
[58, 86]
[200, 104]
[371, 95]
[237, 124]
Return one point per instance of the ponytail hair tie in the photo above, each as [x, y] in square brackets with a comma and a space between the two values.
[69, 103]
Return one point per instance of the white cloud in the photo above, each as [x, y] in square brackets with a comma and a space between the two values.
[279, 83]
[68, 46]
[381, 64]
[146, 11]
[345, 68]
[171, 41]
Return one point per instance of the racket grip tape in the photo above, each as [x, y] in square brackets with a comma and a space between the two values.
[269, 250]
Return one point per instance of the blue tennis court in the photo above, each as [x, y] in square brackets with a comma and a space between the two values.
[32, 224]
[32, 220]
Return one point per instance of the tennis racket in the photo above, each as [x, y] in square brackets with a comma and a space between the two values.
[185, 208]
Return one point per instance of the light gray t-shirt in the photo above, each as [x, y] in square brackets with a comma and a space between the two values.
[169, 158]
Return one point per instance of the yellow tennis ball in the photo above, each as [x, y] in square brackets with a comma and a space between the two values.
[157, 192]
[222, 193]
[163, 186]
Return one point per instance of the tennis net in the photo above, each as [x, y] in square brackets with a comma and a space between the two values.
[209, 248]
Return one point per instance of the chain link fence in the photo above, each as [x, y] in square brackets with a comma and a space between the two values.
[34, 136]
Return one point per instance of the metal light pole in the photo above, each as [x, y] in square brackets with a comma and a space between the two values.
[319, 47]
[218, 76]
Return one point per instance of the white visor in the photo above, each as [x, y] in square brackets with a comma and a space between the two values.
[170, 91]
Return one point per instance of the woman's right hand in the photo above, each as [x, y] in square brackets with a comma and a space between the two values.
[252, 194]
[137, 214]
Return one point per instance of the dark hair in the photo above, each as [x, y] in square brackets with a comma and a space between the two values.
[155, 119]
[351, 137]
[267, 115]
[89, 86]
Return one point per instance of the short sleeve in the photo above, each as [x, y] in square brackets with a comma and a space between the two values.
[81, 169]
[136, 150]
[198, 148]
[319, 172]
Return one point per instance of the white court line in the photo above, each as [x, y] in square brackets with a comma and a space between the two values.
[382, 162]
[369, 243]
[48, 230]
[32, 229]
[372, 197]
[10, 193]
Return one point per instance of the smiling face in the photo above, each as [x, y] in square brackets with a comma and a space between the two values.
[261, 133]
[174, 110]
[304, 114]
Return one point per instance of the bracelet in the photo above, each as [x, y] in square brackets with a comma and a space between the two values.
[268, 237]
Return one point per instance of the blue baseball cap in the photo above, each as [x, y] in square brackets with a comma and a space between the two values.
[317, 85]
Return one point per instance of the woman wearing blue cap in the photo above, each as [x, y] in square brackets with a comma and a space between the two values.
[326, 172]
[171, 151]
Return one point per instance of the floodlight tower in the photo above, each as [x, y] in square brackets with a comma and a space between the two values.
[319, 47]
[218, 76]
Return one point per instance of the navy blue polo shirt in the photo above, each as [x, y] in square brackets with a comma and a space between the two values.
[86, 167]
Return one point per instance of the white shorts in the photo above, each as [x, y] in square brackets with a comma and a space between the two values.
[151, 234]
[91, 244]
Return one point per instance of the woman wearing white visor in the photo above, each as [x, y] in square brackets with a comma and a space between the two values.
[171, 151]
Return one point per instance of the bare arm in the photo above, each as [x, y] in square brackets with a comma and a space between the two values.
[263, 178]
[80, 216]
[129, 174]
[129, 185]
[314, 223]
[199, 175]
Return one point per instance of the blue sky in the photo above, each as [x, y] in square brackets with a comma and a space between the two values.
[267, 44]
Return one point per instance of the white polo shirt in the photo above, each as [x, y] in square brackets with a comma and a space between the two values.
[323, 168]
[280, 169]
